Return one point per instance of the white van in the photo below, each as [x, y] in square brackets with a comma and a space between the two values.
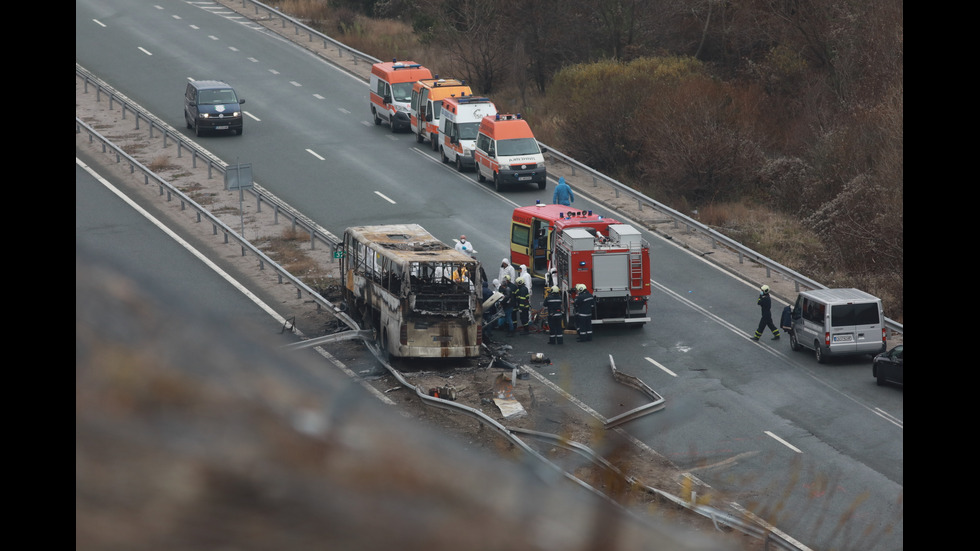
[838, 322]
[507, 153]
[458, 127]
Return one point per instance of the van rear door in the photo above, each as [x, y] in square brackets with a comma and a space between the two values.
[855, 327]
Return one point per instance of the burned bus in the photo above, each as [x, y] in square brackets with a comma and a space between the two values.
[421, 297]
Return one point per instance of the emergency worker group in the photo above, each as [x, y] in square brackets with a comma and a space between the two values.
[515, 305]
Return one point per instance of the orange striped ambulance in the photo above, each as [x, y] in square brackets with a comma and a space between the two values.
[391, 91]
[426, 107]
[507, 153]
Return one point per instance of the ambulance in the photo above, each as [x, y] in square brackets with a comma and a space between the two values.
[391, 91]
[506, 152]
[458, 127]
[426, 106]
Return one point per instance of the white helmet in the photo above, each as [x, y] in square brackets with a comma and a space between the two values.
[519, 280]
[765, 288]
[580, 287]
[506, 277]
[555, 289]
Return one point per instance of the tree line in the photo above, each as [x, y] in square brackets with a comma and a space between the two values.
[791, 105]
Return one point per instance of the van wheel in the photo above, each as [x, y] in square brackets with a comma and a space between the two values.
[820, 356]
[459, 163]
[434, 142]
[197, 130]
[187, 121]
[542, 185]
[377, 119]
[419, 138]
[479, 175]
[241, 131]
[794, 344]
[391, 123]
[445, 160]
[496, 182]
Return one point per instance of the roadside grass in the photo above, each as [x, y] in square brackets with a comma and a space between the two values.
[288, 250]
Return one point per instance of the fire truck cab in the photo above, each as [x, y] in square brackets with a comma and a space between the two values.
[610, 258]
[533, 231]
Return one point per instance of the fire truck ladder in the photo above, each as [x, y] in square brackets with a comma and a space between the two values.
[636, 266]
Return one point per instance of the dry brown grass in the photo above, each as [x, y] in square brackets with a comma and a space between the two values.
[161, 163]
[289, 251]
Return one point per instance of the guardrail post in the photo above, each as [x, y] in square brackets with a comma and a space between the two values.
[312, 240]
[275, 217]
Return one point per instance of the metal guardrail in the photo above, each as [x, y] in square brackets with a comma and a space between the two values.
[553, 155]
[214, 164]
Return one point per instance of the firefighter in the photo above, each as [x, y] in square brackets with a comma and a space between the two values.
[526, 276]
[507, 289]
[765, 303]
[552, 301]
[584, 303]
[523, 305]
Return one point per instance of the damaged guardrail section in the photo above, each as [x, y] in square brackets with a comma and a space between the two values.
[657, 404]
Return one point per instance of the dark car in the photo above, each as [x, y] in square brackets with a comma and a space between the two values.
[212, 105]
[887, 366]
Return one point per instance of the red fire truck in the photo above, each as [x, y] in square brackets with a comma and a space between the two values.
[609, 257]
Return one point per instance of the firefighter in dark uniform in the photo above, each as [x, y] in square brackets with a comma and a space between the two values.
[765, 303]
[552, 301]
[523, 297]
[584, 303]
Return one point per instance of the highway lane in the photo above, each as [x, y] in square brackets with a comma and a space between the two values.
[728, 391]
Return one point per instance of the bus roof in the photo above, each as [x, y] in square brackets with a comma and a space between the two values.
[407, 242]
